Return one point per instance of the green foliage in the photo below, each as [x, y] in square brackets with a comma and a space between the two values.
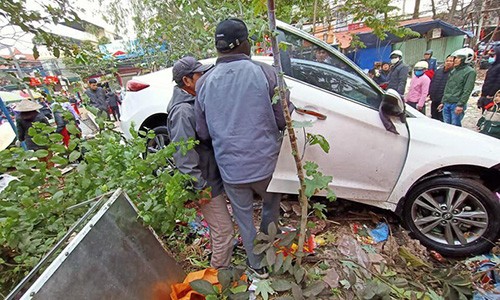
[318, 139]
[88, 60]
[34, 209]
[188, 26]
[286, 273]
[379, 15]
[315, 181]
[25, 16]
[264, 289]
[232, 287]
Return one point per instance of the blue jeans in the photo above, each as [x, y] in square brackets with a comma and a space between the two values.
[449, 115]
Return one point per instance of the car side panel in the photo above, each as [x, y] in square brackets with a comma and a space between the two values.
[365, 160]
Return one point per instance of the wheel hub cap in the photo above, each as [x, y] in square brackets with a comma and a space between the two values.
[449, 216]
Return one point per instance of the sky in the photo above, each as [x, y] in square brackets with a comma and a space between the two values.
[89, 10]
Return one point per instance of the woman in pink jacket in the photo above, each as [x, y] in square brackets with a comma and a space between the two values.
[419, 87]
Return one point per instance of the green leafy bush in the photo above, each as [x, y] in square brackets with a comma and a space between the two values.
[33, 209]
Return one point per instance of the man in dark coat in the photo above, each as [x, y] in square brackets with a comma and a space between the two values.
[97, 97]
[113, 102]
[492, 80]
[199, 162]
[438, 83]
[399, 73]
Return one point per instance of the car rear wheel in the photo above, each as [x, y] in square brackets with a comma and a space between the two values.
[454, 216]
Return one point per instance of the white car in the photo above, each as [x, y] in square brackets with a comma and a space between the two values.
[442, 180]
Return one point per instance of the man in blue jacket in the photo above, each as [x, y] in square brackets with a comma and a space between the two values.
[199, 162]
[234, 112]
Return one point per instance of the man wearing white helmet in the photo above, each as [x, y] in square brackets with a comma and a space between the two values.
[419, 87]
[399, 73]
[459, 87]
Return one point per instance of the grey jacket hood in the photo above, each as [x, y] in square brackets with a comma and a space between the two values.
[180, 96]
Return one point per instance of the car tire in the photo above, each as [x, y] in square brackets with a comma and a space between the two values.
[457, 217]
[160, 140]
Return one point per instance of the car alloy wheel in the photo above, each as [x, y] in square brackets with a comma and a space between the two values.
[160, 140]
[455, 216]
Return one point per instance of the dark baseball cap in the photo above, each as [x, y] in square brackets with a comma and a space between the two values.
[186, 66]
[230, 33]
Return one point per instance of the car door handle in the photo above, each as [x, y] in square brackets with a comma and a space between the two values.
[316, 114]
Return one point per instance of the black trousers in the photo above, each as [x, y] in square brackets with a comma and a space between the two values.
[116, 112]
[435, 114]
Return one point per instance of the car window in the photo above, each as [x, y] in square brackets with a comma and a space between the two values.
[314, 65]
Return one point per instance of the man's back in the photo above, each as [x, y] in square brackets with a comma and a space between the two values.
[239, 118]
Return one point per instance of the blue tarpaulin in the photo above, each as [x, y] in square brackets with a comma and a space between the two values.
[365, 58]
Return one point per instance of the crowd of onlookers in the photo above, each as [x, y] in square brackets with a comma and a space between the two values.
[448, 87]
[61, 111]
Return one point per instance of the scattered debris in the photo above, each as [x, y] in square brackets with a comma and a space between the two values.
[349, 247]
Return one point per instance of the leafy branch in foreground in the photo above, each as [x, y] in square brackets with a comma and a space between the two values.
[34, 211]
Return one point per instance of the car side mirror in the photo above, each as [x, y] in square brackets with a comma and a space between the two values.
[392, 104]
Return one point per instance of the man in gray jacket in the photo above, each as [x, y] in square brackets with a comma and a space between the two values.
[97, 96]
[199, 162]
[398, 74]
[235, 113]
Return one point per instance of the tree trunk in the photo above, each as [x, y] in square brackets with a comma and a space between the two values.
[453, 9]
[433, 6]
[314, 16]
[416, 10]
[290, 129]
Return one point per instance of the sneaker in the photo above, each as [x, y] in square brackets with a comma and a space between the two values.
[259, 273]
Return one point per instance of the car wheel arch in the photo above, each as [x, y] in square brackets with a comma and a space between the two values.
[487, 176]
[153, 121]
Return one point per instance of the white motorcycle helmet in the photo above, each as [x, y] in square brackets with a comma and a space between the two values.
[397, 53]
[467, 55]
[396, 56]
[421, 65]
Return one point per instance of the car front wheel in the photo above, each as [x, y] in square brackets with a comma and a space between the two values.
[455, 216]
[159, 141]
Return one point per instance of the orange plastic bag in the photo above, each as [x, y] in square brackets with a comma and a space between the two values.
[183, 291]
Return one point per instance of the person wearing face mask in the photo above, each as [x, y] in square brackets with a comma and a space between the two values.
[436, 89]
[459, 87]
[419, 87]
[399, 73]
[492, 80]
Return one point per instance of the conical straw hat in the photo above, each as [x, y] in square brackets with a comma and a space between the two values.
[27, 105]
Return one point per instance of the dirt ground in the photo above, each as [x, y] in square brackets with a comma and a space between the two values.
[353, 266]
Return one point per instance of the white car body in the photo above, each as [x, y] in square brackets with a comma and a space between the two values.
[431, 145]
[442, 180]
